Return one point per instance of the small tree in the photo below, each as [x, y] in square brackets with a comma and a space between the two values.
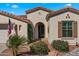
[14, 42]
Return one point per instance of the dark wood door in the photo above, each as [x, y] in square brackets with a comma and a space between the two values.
[40, 31]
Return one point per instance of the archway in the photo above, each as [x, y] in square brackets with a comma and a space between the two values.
[39, 30]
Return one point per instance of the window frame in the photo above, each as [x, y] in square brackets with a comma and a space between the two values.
[6, 24]
[67, 28]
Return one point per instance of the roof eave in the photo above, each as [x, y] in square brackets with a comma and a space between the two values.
[14, 16]
[38, 8]
[62, 11]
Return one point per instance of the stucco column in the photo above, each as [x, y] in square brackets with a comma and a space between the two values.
[46, 30]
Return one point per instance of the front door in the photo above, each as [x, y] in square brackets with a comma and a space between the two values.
[41, 30]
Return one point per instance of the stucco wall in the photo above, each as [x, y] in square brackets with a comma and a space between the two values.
[4, 33]
[53, 26]
[35, 17]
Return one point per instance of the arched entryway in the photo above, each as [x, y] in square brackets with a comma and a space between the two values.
[39, 30]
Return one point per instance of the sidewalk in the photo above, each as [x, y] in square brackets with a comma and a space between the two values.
[2, 47]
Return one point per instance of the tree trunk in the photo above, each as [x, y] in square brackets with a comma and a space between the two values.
[14, 51]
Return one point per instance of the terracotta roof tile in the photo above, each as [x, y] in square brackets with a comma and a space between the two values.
[38, 8]
[62, 11]
[14, 16]
[25, 16]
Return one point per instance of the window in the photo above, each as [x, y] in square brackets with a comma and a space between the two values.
[66, 28]
[3, 26]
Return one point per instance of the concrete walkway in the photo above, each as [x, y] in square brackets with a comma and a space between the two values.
[2, 47]
[74, 52]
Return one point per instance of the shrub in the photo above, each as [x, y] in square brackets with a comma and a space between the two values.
[30, 33]
[60, 45]
[14, 42]
[39, 48]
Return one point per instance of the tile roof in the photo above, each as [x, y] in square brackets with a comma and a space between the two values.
[14, 16]
[38, 8]
[70, 9]
[25, 16]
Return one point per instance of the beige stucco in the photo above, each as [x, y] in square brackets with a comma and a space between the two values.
[22, 32]
[35, 17]
[53, 27]
[4, 33]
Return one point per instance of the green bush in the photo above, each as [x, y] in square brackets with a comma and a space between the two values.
[39, 48]
[60, 45]
[30, 33]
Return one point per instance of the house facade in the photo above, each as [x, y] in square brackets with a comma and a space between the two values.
[55, 25]
[47, 24]
[15, 20]
[64, 25]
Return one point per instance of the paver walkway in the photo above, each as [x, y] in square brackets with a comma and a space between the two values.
[2, 47]
[74, 52]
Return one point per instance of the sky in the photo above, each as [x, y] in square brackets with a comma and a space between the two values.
[20, 8]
